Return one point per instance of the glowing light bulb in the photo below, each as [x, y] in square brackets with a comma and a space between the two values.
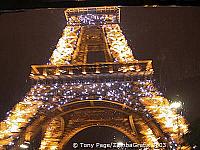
[176, 105]
[120, 144]
[24, 146]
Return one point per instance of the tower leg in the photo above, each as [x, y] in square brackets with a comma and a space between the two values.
[53, 132]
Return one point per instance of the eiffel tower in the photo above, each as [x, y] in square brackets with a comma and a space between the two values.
[92, 79]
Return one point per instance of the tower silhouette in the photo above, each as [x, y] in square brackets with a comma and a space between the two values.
[92, 79]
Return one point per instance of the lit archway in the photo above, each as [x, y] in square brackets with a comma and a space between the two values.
[97, 135]
[79, 115]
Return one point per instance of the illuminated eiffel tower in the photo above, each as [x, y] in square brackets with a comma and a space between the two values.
[92, 79]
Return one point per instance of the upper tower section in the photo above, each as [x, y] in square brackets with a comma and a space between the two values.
[91, 43]
[92, 16]
[92, 35]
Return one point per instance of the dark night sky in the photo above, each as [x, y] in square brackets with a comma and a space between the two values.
[168, 36]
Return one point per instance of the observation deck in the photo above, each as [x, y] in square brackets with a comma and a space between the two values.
[92, 15]
[53, 72]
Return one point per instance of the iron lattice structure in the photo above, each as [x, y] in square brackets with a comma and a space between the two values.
[92, 79]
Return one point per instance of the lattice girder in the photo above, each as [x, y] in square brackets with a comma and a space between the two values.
[52, 134]
[66, 46]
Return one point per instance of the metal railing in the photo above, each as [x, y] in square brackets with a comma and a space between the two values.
[94, 68]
